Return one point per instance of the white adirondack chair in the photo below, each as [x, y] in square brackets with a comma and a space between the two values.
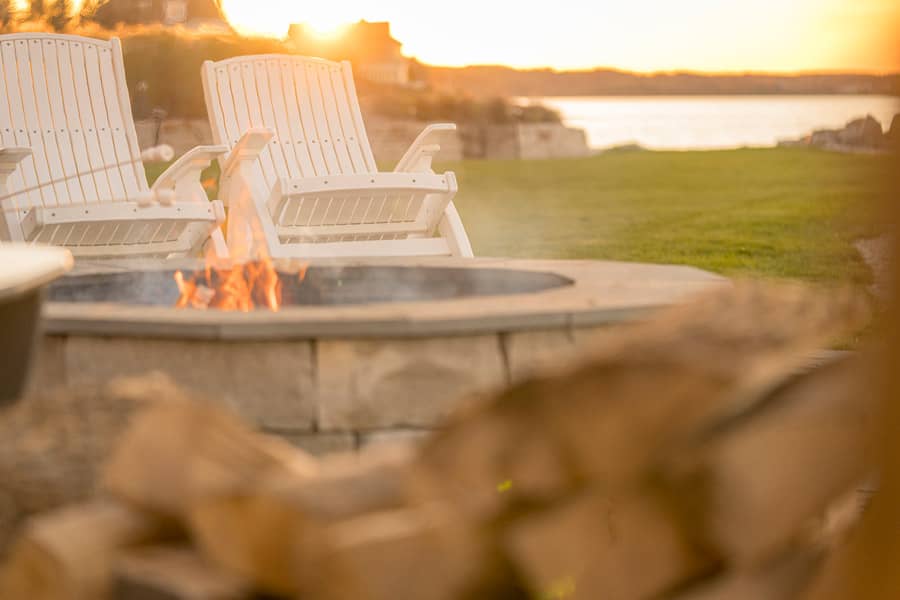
[70, 168]
[300, 178]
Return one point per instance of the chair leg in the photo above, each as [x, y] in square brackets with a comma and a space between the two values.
[216, 244]
[452, 230]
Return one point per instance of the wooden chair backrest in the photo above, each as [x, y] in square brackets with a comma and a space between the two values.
[65, 97]
[309, 103]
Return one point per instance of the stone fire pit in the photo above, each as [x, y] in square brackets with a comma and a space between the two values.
[362, 351]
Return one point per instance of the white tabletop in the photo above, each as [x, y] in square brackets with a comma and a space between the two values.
[24, 267]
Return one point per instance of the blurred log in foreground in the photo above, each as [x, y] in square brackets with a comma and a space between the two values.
[69, 553]
[174, 573]
[55, 443]
[688, 457]
[867, 567]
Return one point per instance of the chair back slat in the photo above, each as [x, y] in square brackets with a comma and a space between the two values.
[296, 158]
[87, 126]
[67, 100]
[308, 120]
[310, 104]
[13, 134]
[320, 100]
[39, 120]
[74, 192]
[83, 147]
[121, 122]
[224, 115]
[278, 152]
[360, 162]
[102, 127]
[20, 102]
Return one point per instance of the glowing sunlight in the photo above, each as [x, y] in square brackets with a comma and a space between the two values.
[645, 35]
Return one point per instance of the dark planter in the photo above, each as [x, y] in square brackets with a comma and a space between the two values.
[24, 271]
[19, 316]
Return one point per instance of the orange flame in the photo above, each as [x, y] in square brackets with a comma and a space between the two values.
[246, 282]
[236, 287]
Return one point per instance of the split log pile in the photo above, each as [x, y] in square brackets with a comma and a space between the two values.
[54, 444]
[693, 457]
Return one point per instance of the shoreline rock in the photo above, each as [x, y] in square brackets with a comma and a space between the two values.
[877, 254]
[893, 134]
[863, 135]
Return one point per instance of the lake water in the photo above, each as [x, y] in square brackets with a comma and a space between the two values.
[709, 122]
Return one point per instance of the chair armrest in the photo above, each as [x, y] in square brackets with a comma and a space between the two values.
[247, 148]
[9, 161]
[418, 158]
[189, 166]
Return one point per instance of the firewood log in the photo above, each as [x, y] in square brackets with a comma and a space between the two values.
[56, 441]
[423, 553]
[636, 395]
[69, 554]
[599, 546]
[867, 566]
[255, 530]
[756, 482]
[783, 578]
[177, 453]
[174, 573]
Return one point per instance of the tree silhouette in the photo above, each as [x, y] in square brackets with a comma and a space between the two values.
[60, 14]
[88, 10]
[36, 10]
[6, 14]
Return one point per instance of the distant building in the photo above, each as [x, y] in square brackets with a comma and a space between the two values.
[193, 14]
[375, 54]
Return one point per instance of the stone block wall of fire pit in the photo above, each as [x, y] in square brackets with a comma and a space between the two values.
[363, 375]
[323, 395]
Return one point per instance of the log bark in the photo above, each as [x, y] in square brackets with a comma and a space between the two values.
[174, 573]
[178, 453]
[56, 441]
[69, 554]
[422, 552]
[755, 484]
[598, 546]
[867, 566]
[783, 578]
[270, 530]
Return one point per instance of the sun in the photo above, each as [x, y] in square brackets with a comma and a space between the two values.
[327, 27]
[273, 17]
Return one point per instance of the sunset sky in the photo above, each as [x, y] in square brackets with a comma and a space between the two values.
[639, 35]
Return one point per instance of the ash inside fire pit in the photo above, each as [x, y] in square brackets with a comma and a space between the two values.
[322, 286]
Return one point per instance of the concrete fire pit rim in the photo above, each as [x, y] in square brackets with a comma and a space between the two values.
[603, 293]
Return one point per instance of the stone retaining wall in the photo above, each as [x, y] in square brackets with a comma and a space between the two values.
[551, 140]
[391, 138]
[524, 141]
[181, 134]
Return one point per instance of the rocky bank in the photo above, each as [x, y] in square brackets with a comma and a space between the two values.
[859, 135]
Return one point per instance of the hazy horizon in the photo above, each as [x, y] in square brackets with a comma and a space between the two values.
[676, 71]
[644, 36]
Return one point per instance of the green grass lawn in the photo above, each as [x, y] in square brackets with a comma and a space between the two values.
[787, 213]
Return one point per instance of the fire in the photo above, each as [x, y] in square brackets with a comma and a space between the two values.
[232, 287]
[243, 283]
